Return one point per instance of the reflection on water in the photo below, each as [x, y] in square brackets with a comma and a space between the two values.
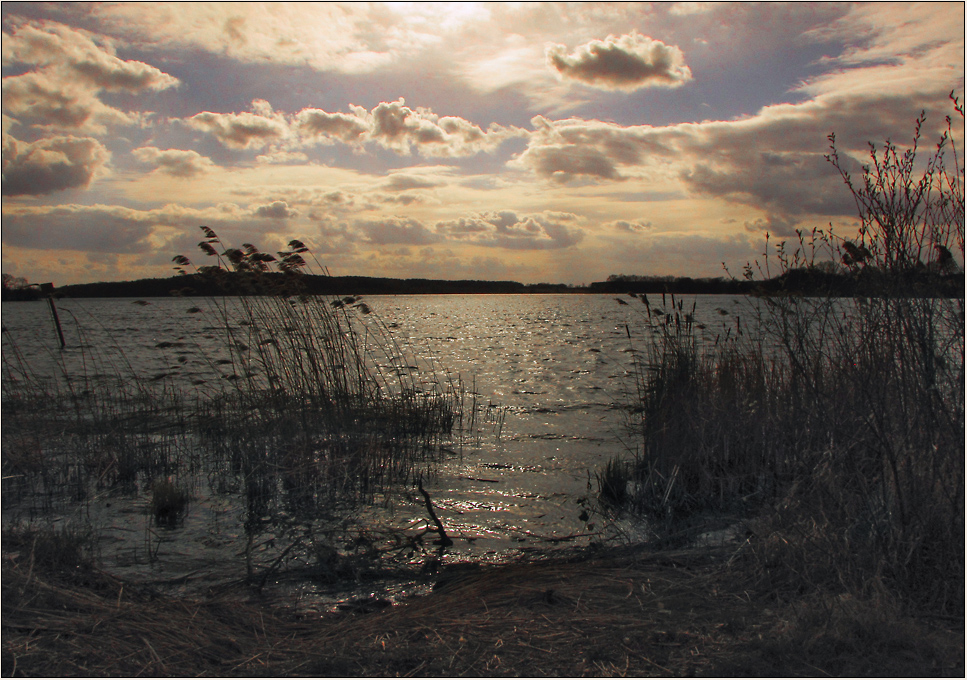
[549, 375]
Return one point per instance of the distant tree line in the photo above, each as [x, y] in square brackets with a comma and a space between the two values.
[309, 284]
[867, 281]
[18, 288]
[817, 280]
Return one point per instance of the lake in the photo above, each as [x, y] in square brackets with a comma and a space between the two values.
[551, 377]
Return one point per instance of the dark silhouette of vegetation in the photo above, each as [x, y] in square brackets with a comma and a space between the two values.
[838, 424]
[17, 288]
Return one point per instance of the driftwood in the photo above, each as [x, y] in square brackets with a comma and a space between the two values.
[444, 540]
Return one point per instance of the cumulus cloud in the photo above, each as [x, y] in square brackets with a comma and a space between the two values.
[49, 165]
[276, 210]
[628, 62]
[70, 70]
[391, 125]
[243, 130]
[75, 54]
[397, 127]
[396, 230]
[175, 162]
[344, 127]
[506, 229]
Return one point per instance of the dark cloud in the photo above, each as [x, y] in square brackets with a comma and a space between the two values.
[49, 165]
[566, 163]
[276, 210]
[175, 162]
[628, 62]
[787, 184]
[392, 230]
[100, 229]
[506, 229]
[172, 229]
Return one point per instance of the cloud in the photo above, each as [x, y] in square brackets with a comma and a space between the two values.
[276, 210]
[403, 182]
[565, 163]
[391, 125]
[75, 55]
[70, 71]
[625, 226]
[786, 184]
[282, 157]
[393, 230]
[353, 38]
[775, 225]
[628, 62]
[52, 164]
[772, 160]
[573, 148]
[243, 130]
[547, 230]
[395, 126]
[175, 162]
[348, 128]
[108, 228]
[684, 9]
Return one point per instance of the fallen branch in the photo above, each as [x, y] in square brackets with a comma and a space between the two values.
[444, 540]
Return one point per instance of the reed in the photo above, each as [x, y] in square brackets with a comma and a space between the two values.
[838, 422]
[317, 414]
[321, 413]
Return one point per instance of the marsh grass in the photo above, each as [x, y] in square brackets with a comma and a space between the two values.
[317, 413]
[323, 413]
[839, 422]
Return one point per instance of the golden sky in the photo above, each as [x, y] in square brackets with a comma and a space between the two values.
[524, 141]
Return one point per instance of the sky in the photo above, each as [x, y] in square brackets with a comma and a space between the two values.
[535, 142]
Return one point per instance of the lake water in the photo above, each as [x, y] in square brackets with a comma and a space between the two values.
[552, 375]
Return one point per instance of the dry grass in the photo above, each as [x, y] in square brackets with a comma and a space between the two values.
[623, 613]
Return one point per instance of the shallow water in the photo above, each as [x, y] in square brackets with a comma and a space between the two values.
[551, 376]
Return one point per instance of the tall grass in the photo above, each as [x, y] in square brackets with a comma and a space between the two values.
[838, 422]
[318, 414]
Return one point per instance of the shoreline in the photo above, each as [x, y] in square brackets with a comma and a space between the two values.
[623, 611]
